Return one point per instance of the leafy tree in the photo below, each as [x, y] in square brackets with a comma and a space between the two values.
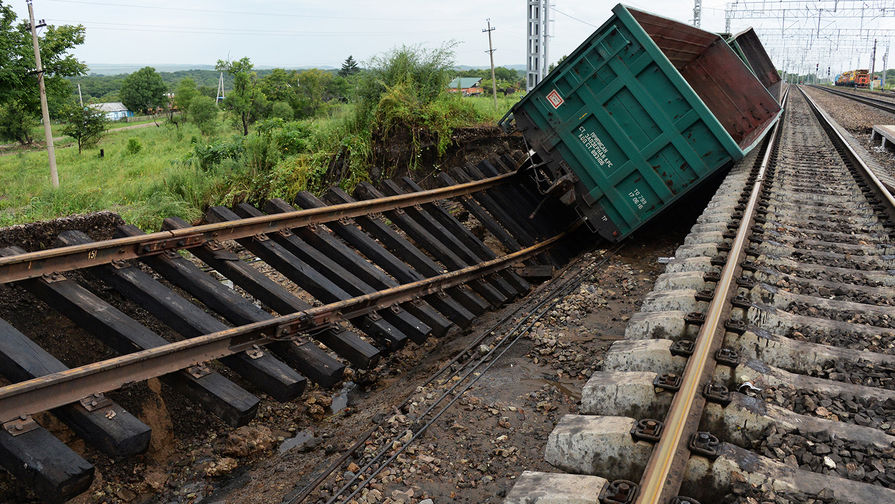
[246, 103]
[282, 110]
[204, 112]
[184, 94]
[312, 93]
[502, 87]
[85, 124]
[19, 99]
[100, 86]
[17, 121]
[143, 90]
[339, 88]
[112, 96]
[209, 91]
[282, 86]
[512, 78]
[506, 74]
[349, 67]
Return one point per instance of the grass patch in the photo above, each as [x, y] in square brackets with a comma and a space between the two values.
[484, 106]
[135, 185]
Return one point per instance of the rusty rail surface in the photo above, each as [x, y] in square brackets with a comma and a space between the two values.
[57, 389]
[61, 259]
[662, 477]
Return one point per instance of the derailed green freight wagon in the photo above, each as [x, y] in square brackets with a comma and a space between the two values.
[644, 110]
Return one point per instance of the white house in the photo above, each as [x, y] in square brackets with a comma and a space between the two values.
[113, 110]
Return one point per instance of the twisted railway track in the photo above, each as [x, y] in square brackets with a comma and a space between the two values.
[367, 286]
[761, 366]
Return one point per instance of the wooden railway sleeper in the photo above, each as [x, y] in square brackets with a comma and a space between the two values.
[378, 254]
[312, 281]
[421, 235]
[409, 253]
[345, 343]
[410, 325]
[307, 358]
[268, 373]
[325, 242]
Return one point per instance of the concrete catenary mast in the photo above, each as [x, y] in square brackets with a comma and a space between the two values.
[537, 42]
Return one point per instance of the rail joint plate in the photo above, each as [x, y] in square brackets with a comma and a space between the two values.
[157, 246]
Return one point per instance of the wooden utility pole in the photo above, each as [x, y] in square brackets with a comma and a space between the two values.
[44, 109]
[490, 52]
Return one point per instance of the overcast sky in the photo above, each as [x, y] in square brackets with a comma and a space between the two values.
[323, 32]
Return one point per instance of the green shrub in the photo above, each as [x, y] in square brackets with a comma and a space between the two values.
[210, 155]
[133, 146]
[261, 152]
[406, 91]
[282, 110]
[294, 137]
[204, 112]
[423, 73]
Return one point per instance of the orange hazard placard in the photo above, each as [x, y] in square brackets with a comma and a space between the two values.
[554, 99]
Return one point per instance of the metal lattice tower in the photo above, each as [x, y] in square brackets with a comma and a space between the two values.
[697, 13]
[221, 96]
[537, 42]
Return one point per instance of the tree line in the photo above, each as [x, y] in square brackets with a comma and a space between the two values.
[106, 88]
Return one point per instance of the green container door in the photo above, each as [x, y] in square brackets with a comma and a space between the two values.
[620, 117]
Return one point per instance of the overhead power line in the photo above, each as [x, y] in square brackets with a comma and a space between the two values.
[104, 25]
[554, 9]
[246, 12]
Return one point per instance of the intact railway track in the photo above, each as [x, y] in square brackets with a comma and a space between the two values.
[884, 104]
[761, 367]
[374, 274]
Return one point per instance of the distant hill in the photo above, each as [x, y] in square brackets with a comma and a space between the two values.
[118, 69]
[473, 67]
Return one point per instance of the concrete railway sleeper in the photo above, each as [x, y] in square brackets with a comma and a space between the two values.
[215, 293]
[780, 383]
